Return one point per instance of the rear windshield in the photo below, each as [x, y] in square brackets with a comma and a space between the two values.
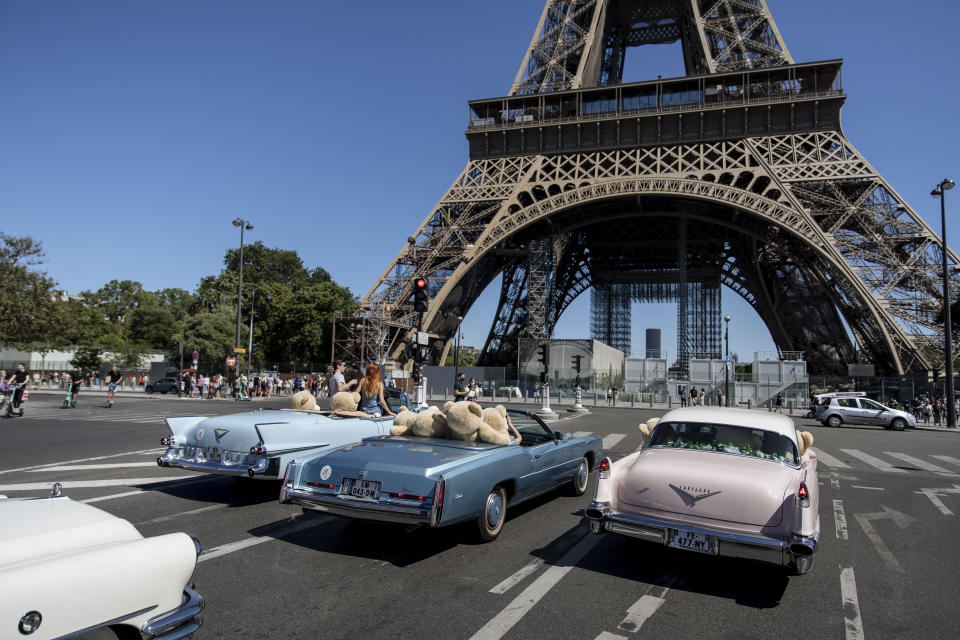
[725, 438]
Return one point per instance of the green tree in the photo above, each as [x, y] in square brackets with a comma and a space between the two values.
[306, 319]
[27, 296]
[87, 357]
[211, 334]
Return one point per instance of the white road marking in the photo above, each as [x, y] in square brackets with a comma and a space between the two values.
[829, 460]
[93, 467]
[934, 495]
[834, 480]
[580, 434]
[113, 496]
[183, 513]
[186, 480]
[506, 619]
[948, 460]
[921, 464]
[606, 635]
[86, 484]
[902, 520]
[840, 519]
[853, 625]
[639, 612]
[230, 547]
[610, 441]
[859, 486]
[876, 463]
[517, 577]
[52, 464]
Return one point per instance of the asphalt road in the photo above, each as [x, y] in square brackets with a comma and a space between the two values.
[886, 565]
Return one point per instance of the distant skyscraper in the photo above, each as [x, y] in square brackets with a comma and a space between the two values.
[653, 343]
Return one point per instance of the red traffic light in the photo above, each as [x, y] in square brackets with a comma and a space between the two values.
[421, 283]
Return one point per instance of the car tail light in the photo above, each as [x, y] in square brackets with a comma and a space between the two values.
[803, 495]
[408, 496]
[258, 450]
[604, 468]
[167, 442]
[316, 484]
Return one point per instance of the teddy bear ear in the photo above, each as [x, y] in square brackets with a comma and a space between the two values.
[644, 429]
[652, 422]
[807, 440]
[475, 409]
[447, 405]
[502, 410]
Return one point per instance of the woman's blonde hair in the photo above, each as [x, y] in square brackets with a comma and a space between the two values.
[371, 381]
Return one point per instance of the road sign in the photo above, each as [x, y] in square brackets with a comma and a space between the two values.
[231, 361]
[423, 338]
[729, 359]
[238, 350]
[196, 356]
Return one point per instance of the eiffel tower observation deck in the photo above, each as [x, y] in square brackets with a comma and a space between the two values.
[736, 176]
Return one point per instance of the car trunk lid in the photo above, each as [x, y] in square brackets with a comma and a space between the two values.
[705, 484]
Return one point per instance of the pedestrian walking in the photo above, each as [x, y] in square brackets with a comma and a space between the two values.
[779, 403]
[459, 392]
[693, 396]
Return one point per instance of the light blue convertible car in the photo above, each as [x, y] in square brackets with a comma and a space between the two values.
[259, 444]
[436, 482]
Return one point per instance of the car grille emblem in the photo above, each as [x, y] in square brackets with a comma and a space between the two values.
[363, 474]
[220, 433]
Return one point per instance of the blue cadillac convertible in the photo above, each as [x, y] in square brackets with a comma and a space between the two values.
[436, 482]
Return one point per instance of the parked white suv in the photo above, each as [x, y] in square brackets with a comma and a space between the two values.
[853, 407]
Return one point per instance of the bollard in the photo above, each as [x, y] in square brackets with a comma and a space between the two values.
[669, 402]
[633, 397]
[749, 403]
[790, 406]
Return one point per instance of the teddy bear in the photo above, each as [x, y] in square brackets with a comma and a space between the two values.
[303, 401]
[464, 420]
[431, 423]
[646, 428]
[805, 442]
[494, 428]
[344, 403]
[403, 423]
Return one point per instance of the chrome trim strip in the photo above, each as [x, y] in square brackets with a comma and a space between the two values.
[215, 467]
[339, 505]
[181, 622]
[74, 634]
[570, 461]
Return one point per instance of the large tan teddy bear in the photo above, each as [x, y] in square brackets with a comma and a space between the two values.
[431, 423]
[403, 423]
[303, 401]
[806, 442]
[344, 403]
[494, 428]
[646, 428]
[467, 421]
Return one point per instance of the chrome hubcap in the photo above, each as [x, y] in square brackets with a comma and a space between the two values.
[494, 509]
[582, 474]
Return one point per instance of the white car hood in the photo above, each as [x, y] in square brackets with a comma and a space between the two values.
[31, 529]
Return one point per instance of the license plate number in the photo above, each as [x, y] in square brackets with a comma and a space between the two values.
[691, 541]
[365, 489]
[215, 454]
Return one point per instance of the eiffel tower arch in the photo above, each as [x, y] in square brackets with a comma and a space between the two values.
[736, 175]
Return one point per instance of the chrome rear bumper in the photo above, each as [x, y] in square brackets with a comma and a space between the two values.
[797, 551]
[180, 623]
[171, 458]
[348, 507]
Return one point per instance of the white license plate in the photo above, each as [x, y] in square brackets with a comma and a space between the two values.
[215, 454]
[365, 489]
[691, 541]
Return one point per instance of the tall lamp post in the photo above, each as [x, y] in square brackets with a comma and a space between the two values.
[938, 192]
[726, 364]
[243, 224]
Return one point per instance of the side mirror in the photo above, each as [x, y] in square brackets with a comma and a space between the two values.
[558, 435]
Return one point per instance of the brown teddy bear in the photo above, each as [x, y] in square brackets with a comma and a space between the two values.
[303, 401]
[403, 423]
[431, 423]
[494, 428]
[806, 442]
[344, 403]
[464, 420]
[646, 429]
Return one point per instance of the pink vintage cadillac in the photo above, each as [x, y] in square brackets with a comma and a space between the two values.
[718, 481]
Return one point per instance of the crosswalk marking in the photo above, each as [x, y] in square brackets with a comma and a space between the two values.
[947, 459]
[94, 467]
[829, 460]
[876, 463]
[580, 434]
[610, 441]
[921, 464]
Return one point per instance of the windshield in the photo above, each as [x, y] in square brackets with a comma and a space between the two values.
[725, 438]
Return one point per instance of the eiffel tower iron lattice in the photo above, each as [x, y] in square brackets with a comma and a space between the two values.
[737, 174]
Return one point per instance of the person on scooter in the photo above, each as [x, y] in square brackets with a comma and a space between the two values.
[76, 377]
[19, 378]
[115, 380]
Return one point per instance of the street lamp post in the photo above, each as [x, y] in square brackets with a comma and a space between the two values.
[726, 364]
[938, 192]
[243, 224]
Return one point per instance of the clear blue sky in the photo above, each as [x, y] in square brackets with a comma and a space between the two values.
[132, 133]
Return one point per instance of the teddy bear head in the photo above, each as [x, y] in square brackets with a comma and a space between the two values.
[806, 442]
[646, 429]
[303, 401]
[494, 427]
[345, 403]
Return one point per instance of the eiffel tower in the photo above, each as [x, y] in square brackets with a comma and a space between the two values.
[735, 175]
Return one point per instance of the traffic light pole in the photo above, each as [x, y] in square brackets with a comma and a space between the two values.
[578, 406]
[421, 389]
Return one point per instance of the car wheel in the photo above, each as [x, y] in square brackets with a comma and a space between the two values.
[578, 483]
[149, 389]
[490, 521]
[834, 421]
[101, 634]
[898, 424]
